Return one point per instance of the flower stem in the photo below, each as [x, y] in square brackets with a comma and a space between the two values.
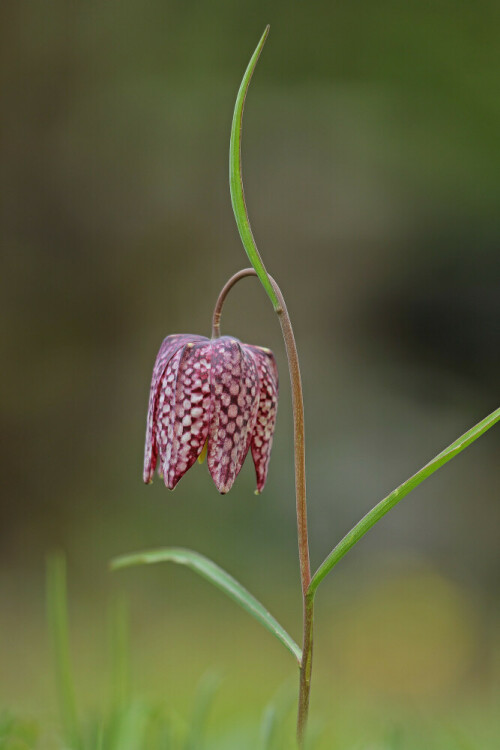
[305, 669]
[300, 486]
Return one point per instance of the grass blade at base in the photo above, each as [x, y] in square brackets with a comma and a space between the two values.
[57, 618]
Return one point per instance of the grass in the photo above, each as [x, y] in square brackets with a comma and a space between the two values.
[123, 720]
[149, 726]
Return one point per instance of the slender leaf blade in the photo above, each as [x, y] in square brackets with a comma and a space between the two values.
[219, 578]
[57, 618]
[385, 505]
[119, 638]
[236, 179]
[203, 702]
[132, 727]
[268, 727]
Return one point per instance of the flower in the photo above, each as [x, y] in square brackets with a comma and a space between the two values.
[214, 394]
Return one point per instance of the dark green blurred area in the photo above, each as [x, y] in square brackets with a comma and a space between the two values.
[371, 160]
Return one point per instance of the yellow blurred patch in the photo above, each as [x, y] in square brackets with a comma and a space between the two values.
[413, 635]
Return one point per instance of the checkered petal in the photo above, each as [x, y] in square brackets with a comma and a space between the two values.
[234, 402]
[168, 349]
[182, 426]
[216, 393]
[262, 436]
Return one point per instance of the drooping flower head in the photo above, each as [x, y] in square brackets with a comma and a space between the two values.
[214, 393]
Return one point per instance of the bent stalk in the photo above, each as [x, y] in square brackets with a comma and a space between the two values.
[300, 486]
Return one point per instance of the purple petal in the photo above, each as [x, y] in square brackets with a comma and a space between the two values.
[167, 350]
[183, 425]
[262, 436]
[235, 400]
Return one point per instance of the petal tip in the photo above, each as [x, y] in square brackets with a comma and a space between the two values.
[222, 486]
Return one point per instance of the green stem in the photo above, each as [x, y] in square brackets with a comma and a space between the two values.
[305, 669]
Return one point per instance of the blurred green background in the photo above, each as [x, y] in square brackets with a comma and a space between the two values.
[371, 161]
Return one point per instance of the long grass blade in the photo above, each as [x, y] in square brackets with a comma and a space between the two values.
[268, 727]
[219, 578]
[385, 505]
[204, 698]
[133, 728]
[57, 617]
[120, 659]
[236, 178]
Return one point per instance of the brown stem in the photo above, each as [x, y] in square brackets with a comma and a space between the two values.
[300, 485]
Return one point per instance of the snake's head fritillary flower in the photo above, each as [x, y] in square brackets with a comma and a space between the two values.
[217, 395]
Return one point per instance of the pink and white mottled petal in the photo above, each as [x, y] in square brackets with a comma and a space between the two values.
[262, 437]
[234, 404]
[189, 412]
[252, 384]
[169, 346]
[165, 404]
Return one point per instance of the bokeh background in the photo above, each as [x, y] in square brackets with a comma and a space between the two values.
[371, 162]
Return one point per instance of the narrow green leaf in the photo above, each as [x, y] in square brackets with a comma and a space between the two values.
[57, 617]
[218, 577]
[236, 179]
[204, 698]
[385, 505]
[120, 659]
[268, 727]
[274, 725]
[132, 727]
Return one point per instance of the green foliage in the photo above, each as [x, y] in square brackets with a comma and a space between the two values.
[218, 577]
[232, 588]
[131, 724]
[57, 615]
[267, 727]
[17, 734]
[202, 705]
[119, 647]
[139, 724]
[385, 505]
[236, 179]
[276, 725]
